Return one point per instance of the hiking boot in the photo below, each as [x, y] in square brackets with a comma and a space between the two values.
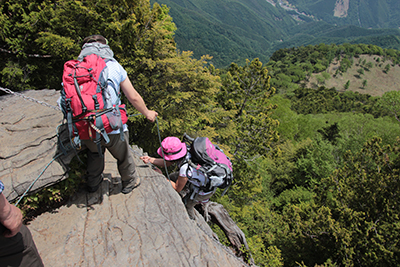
[128, 186]
[190, 208]
[190, 212]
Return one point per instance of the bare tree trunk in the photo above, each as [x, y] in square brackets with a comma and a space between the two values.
[217, 214]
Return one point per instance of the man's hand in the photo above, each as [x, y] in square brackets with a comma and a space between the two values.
[151, 115]
[10, 217]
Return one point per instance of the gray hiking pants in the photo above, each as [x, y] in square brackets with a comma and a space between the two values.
[120, 150]
[186, 194]
[19, 250]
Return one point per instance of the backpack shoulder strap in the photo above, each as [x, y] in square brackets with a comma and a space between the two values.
[203, 170]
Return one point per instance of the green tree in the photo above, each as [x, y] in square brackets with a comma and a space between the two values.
[283, 82]
[310, 101]
[326, 75]
[313, 163]
[320, 79]
[330, 133]
[345, 64]
[183, 95]
[364, 83]
[26, 62]
[390, 101]
[310, 235]
[387, 68]
[245, 91]
[37, 37]
[299, 165]
[369, 65]
[347, 85]
[286, 116]
[252, 132]
[362, 197]
[353, 218]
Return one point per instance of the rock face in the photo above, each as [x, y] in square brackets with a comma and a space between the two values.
[28, 134]
[148, 227]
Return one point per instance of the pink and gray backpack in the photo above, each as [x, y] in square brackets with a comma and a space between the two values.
[212, 161]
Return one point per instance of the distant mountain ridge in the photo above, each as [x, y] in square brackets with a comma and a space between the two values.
[231, 30]
[365, 14]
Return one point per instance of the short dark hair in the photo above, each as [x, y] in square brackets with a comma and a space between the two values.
[95, 38]
[177, 160]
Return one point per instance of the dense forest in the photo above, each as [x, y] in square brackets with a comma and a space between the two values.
[316, 168]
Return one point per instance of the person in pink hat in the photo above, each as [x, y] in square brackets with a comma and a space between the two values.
[174, 151]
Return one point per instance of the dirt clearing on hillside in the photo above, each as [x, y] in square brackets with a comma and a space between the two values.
[341, 8]
[366, 80]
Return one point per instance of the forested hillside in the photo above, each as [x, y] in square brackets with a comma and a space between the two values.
[323, 195]
[231, 30]
[316, 168]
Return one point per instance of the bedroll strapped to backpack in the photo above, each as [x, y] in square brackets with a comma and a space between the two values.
[86, 102]
[210, 160]
[198, 189]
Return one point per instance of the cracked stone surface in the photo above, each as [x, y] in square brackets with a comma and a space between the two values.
[147, 227]
[28, 134]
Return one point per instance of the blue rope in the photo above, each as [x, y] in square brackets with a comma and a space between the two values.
[134, 115]
[159, 138]
[29, 188]
[33, 183]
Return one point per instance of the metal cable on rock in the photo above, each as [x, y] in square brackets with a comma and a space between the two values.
[29, 98]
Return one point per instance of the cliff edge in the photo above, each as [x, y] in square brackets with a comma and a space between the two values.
[148, 227]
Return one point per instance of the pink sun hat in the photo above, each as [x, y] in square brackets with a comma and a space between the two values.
[173, 148]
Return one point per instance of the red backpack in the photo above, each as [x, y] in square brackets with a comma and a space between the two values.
[86, 104]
